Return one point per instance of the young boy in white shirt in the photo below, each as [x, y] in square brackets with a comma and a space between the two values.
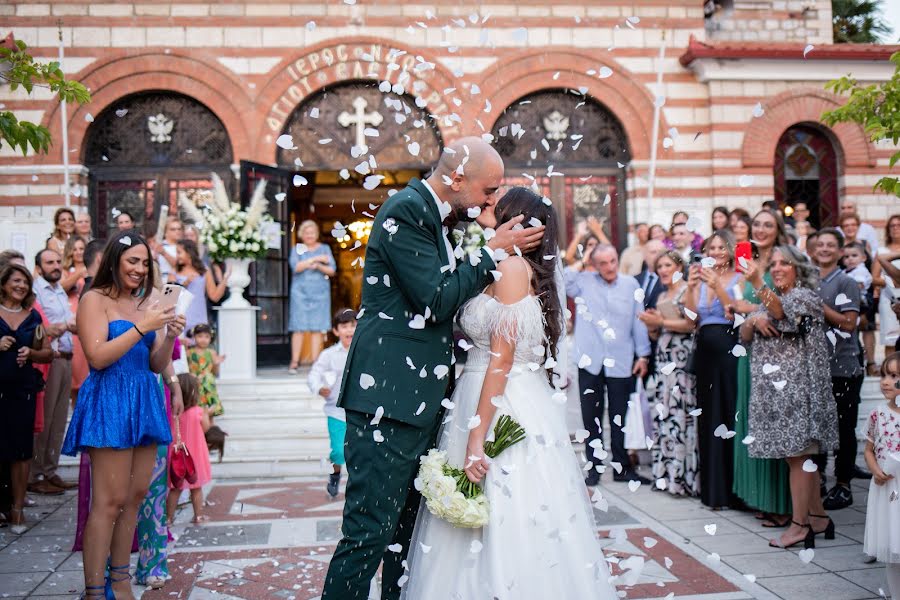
[325, 380]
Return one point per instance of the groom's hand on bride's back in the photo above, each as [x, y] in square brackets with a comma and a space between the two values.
[506, 237]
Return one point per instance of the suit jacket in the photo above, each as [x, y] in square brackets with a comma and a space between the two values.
[401, 355]
[649, 282]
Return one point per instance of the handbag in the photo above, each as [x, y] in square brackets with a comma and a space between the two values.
[181, 464]
[37, 341]
[635, 429]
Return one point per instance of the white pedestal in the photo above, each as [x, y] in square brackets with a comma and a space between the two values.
[237, 341]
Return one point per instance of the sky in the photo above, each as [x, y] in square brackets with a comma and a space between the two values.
[891, 11]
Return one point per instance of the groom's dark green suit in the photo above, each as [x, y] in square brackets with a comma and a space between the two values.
[400, 361]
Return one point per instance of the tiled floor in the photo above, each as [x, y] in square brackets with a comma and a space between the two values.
[274, 538]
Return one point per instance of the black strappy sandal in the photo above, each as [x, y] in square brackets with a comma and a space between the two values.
[809, 541]
[829, 529]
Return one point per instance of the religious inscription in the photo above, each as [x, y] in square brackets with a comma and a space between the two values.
[348, 62]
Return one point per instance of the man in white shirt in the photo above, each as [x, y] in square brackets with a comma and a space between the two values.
[325, 379]
[866, 232]
[55, 303]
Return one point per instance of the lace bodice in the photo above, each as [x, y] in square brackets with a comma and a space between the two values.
[522, 322]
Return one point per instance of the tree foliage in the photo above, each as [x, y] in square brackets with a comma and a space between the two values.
[858, 22]
[20, 69]
[877, 108]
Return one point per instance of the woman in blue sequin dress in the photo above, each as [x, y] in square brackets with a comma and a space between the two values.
[120, 417]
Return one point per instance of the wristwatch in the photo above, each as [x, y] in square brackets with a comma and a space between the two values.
[173, 379]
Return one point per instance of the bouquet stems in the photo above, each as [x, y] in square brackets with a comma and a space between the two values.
[507, 432]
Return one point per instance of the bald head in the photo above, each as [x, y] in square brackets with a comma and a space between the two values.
[468, 175]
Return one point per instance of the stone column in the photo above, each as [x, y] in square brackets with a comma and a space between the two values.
[237, 341]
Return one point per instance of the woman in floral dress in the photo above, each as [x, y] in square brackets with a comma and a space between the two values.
[675, 455]
[792, 412]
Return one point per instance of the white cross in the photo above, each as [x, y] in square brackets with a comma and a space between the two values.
[360, 118]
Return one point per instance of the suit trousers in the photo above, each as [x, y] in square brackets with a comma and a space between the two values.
[380, 506]
[846, 391]
[56, 410]
[593, 405]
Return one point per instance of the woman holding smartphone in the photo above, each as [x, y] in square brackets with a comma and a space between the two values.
[711, 291]
[760, 483]
[120, 418]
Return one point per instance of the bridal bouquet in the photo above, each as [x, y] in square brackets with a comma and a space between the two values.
[448, 493]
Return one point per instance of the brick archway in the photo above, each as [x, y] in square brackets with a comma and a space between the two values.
[124, 75]
[794, 107]
[358, 58]
[629, 101]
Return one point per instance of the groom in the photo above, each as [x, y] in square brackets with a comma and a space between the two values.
[399, 366]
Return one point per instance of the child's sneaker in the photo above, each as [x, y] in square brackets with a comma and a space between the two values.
[334, 482]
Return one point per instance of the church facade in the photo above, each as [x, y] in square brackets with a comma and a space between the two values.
[626, 111]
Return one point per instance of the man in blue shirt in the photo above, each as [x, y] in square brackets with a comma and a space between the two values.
[608, 338]
[55, 302]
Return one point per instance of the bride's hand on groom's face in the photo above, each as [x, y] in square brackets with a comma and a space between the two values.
[476, 466]
[524, 239]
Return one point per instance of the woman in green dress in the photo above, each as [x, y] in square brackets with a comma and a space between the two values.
[761, 483]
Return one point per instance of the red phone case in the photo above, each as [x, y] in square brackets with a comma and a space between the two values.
[745, 250]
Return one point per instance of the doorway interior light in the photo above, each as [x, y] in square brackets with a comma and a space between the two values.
[360, 229]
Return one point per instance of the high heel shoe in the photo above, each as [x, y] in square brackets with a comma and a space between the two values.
[93, 591]
[113, 573]
[806, 540]
[17, 528]
[829, 529]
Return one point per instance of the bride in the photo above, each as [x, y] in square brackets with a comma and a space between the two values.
[541, 537]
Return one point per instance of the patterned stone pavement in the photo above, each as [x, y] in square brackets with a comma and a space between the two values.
[274, 538]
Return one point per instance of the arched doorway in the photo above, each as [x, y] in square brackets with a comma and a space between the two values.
[145, 149]
[575, 149]
[350, 145]
[806, 170]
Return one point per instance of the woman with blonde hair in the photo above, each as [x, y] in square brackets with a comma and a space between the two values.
[63, 228]
[312, 267]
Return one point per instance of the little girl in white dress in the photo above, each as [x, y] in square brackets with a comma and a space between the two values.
[883, 459]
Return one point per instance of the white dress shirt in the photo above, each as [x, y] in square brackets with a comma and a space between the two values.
[443, 210]
[327, 372]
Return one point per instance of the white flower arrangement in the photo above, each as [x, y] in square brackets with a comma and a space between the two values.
[225, 229]
[448, 493]
[438, 482]
[469, 240]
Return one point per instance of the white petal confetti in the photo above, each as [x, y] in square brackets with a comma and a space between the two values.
[366, 381]
[809, 466]
[285, 141]
[723, 432]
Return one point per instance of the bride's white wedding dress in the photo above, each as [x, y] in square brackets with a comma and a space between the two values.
[541, 541]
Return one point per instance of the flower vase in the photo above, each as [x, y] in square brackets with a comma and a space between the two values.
[237, 282]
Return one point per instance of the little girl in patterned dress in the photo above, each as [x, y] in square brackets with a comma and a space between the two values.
[882, 454]
[204, 363]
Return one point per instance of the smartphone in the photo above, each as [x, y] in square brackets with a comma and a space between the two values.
[742, 250]
[170, 295]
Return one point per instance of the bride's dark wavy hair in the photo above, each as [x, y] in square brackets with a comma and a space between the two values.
[543, 259]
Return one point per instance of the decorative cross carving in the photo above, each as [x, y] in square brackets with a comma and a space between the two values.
[360, 118]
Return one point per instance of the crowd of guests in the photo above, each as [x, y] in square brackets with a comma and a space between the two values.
[752, 344]
[87, 328]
